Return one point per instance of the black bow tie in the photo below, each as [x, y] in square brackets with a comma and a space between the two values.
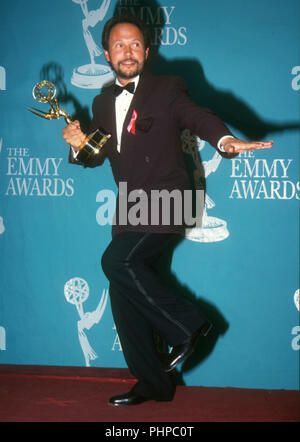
[119, 89]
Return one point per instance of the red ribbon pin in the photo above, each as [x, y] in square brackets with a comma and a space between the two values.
[131, 125]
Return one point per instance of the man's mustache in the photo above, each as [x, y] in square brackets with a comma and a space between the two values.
[131, 60]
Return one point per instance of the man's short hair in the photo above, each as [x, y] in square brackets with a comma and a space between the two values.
[125, 18]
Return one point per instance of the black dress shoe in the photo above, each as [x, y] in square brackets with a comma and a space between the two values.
[129, 398]
[181, 352]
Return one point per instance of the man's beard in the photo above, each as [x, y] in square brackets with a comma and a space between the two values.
[122, 73]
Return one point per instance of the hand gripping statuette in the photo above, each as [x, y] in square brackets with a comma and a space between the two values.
[91, 145]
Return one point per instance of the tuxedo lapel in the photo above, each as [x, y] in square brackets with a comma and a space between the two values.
[143, 90]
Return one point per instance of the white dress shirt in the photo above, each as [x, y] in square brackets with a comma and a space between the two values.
[122, 105]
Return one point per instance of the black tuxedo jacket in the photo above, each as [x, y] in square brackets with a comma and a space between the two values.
[152, 157]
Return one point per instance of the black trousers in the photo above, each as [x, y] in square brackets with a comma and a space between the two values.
[143, 305]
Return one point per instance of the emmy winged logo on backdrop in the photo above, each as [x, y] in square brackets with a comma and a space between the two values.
[92, 75]
[76, 292]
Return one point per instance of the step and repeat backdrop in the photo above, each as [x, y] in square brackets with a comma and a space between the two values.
[239, 58]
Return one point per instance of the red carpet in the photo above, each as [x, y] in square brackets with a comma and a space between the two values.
[72, 394]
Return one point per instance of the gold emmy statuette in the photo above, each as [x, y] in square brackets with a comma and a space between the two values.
[91, 145]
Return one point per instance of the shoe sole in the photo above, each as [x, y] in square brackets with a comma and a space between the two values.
[188, 354]
[138, 403]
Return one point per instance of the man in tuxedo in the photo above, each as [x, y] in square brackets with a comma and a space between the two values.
[145, 115]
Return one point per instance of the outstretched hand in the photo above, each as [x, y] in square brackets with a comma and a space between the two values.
[234, 145]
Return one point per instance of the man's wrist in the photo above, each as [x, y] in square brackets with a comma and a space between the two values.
[76, 149]
[222, 143]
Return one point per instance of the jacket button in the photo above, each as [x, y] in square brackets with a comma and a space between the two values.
[147, 159]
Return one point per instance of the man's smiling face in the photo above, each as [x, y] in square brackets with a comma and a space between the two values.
[126, 51]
